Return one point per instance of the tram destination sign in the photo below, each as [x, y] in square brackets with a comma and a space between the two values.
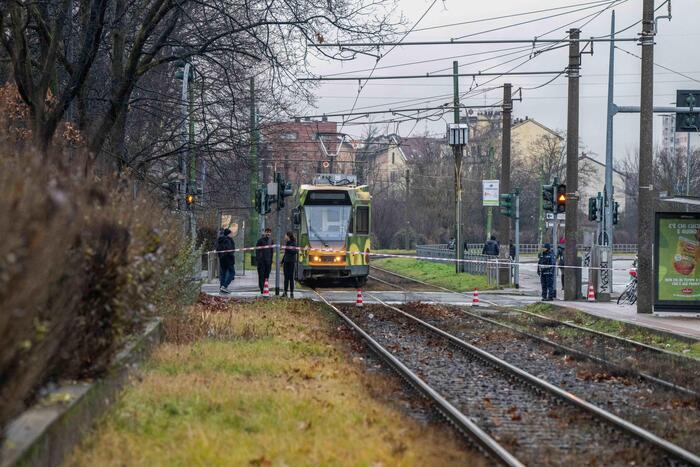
[677, 262]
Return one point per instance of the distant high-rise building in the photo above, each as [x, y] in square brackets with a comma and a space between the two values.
[670, 139]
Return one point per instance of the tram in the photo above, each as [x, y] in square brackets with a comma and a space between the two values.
[332, 224]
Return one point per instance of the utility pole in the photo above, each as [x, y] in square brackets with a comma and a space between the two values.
[570, 253]
[255, 218]
[457, 151]
[407, 198]
[606, 224]
[540, 212]
[504, 224]
[192, 182]
[645, 204]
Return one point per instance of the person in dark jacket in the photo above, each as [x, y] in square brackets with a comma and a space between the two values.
[491, 247]
[289, 263]
[227, 260]
[545, 269]
[263, 257]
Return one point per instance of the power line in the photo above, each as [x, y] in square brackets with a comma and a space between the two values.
[660, 66]
[392, 48]
[473, 42]
[513, 15]
[359, 78]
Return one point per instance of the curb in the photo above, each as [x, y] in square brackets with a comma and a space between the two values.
[639, 326]
[47, 432]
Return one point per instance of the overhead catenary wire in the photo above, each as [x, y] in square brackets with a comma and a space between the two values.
[389, 51]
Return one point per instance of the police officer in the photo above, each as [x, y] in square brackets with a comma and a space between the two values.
[545, 269]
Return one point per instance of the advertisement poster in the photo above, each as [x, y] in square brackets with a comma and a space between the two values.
[490, 192]
[677, 260]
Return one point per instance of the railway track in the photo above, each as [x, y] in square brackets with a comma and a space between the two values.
[660, 366]
[467, 427]
[525, 416]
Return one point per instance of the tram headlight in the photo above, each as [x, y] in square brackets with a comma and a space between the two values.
[337, 259]
[317, 258]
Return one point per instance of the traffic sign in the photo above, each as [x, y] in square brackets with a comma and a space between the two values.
[326, 164]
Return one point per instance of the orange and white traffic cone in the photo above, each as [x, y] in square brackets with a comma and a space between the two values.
[266, 290]
[475, 297]
[591, 293]
[358, 302]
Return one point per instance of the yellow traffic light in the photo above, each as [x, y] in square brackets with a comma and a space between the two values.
[189, 199]
[562, 198]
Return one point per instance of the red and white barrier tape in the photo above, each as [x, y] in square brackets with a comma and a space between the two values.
[426, 258]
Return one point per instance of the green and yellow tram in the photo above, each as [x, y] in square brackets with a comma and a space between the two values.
[332, 225]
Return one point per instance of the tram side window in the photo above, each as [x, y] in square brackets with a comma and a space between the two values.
[362, 225]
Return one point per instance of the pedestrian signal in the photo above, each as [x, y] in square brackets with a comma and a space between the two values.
[548, 198]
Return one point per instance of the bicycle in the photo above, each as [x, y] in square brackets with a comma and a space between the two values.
[629, 295]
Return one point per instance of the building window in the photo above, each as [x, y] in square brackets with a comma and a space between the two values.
[392, 158]
[289, 135]
[362, 224]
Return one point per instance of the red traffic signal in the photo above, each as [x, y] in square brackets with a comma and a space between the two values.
[561, 198]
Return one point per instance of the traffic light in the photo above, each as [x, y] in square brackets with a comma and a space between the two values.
[687, 121]
[189, 199]
[616, 213]
[284, 189]
[548, 198]
[593, 209]
[561, 198]
[506, 204]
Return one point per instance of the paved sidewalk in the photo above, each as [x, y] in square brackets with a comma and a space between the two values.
[686, 326]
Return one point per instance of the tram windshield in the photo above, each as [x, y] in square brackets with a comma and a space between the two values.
[327, 223]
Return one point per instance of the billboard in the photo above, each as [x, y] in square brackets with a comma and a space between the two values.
[490, 192]
[677, 262]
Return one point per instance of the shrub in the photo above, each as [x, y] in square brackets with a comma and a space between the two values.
[82, 264]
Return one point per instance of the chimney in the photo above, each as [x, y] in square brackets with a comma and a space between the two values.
[324, 119]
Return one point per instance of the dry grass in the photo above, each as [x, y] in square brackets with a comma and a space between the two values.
[273, 387]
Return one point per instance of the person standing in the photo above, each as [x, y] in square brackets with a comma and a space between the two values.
[227, 260]
[491, 247]
[289, 263]
[545, 269]
[263, 257]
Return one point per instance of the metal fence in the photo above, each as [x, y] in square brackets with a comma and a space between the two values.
[475, 263]
[530, 248]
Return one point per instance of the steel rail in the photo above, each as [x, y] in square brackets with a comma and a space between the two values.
[637, 344]
[571, 350]
[580, 353]
[670, 448]
[462, 422]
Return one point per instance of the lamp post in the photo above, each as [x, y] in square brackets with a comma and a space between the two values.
[188, 163]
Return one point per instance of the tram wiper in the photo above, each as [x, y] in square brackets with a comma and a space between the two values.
[318, 237]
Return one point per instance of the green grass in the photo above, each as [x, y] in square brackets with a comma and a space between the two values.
[279, 389]
[618, 328]
[442, 274]
[395, 251]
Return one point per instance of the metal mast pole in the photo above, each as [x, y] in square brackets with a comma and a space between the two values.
[457, 151]
[606, 257]
[645, 204]
[570, 292]
[504, 223]
[255, 218]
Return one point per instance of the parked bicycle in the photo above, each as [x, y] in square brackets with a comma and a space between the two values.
[629, 295]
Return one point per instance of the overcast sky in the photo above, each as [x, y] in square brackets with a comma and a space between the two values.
[676, 48]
